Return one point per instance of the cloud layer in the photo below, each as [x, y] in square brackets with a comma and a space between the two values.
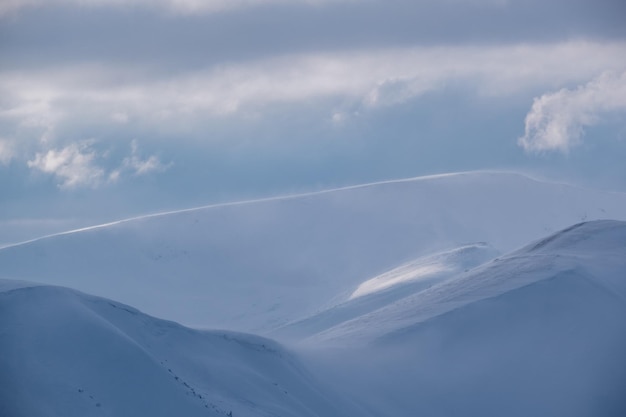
[73, 165]
[557, 121]
[39, 107]
[6, 151]
[371, 78]
[80, 165]
[175, 6]
[228, 80]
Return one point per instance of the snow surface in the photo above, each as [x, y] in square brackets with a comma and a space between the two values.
[64, 353]
[594, 251]
[539, 332]
[261, 265]
[426, 268]
[389, 287]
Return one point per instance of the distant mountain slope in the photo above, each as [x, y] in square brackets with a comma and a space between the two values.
[389, 287]
[539, 332]
[594, 252]
[257, 266]
[64, 353]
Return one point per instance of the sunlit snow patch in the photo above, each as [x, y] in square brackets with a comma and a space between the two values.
[428, 267]
[405, 273]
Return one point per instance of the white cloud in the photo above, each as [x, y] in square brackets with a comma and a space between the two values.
[31, 105]
[74, 166]
[556, 121]
[398, 90]
[139, 166]
[80, 165]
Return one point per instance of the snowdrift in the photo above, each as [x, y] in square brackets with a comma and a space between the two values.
[259, 266]
[64, 353]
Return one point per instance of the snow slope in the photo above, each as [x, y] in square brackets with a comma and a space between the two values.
[538, 332]
[386, 289]
[260, 265]
[64, 353]
[541, 332]
[593, 251]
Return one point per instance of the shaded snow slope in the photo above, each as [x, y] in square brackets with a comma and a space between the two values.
[68, 354]
[389, 287]
[540, 332]
[257, 266]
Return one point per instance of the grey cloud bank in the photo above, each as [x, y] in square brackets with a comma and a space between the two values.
[160, 105]
[145, 32]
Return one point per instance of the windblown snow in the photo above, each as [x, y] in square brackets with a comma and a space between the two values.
[389, 287]
[427, 268]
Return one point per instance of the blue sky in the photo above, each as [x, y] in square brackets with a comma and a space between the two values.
[115, 108]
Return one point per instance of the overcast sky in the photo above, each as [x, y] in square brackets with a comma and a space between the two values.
[113, 108]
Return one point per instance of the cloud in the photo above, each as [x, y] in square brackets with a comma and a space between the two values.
[6, 151]
[74, 166]
[557, 121]
[366, 78]
[193, 7]
[45, 111]
[119, 117]
[142, 166]
[174, 6]
[80, 165]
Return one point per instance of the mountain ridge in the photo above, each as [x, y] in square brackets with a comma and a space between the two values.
[523, 268]
[73, 354]
[255, 267]
[537, 331]
[300, 195]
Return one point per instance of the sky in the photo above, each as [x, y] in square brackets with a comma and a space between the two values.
[116, 108]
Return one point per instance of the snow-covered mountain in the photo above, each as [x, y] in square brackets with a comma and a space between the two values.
[64, 353]
[261, 265]
[386, 289]
[541, 332]
[589, 256]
